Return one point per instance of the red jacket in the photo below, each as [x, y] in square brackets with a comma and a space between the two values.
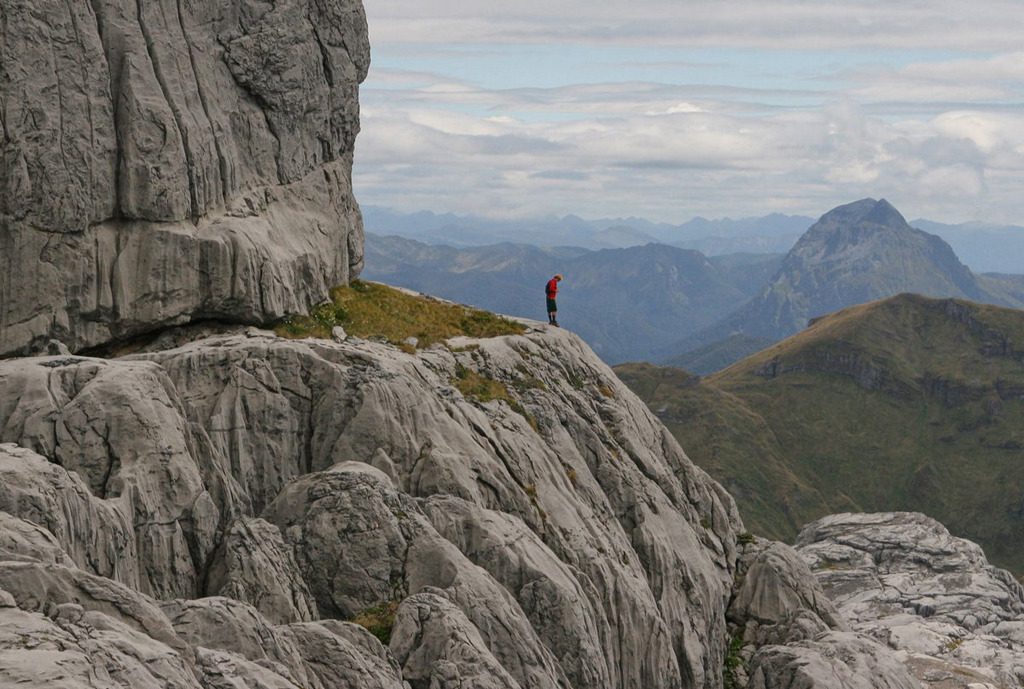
[552, 289]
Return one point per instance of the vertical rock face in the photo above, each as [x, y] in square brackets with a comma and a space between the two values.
[166, 161]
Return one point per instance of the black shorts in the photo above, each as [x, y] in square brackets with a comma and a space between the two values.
[552, 307]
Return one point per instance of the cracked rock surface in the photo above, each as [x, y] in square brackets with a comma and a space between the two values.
[933, 599]
[220, 511]
[164, 162]
[243, 495]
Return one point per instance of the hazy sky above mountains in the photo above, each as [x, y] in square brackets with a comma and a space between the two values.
[671, 109]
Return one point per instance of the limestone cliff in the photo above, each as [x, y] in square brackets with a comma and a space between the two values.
[563, 540]
[901, 578]
[163, 162]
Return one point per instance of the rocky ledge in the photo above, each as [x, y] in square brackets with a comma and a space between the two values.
[214, 514]
[243, 510]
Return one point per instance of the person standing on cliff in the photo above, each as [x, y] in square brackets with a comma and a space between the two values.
[552, 291]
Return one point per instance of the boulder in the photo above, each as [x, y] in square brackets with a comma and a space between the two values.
[90, 651]
[23, 541]
[256, 566]
[837, 660]
[904, 580]
[173, 162]
[224, 624]
[342, 655]
[551, 592]
[361, 544]
[225, 670]
[94, 534]
[439, 648]
[777, 599]
[45, 588]
[121, 428]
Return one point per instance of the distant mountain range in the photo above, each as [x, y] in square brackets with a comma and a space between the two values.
[854, 254]
[906, 403]
[774, 233]
[626, 303]
[662, 303]
[984, 247]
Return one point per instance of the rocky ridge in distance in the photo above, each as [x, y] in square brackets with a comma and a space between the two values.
[856, 253]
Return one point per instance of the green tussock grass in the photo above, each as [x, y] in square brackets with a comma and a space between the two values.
[478, 387]
[733, 661]
[369, 310]
[820, 437]
[379, 620]
[481, 388]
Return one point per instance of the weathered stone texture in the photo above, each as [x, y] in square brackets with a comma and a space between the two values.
[321, 478]
[255, 565]
[600, 483]
[121, 429]
[163, 162]
[932, 598]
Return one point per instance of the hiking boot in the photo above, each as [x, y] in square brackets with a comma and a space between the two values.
[554, 322]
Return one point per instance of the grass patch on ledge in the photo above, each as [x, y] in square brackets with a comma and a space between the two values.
[480, 388]
[373, 310]
[379, 620]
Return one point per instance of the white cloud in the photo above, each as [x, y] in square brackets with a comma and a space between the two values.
[940, 134]
[938, 24]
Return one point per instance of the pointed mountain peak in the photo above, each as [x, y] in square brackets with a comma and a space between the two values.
[864, 212]
[883, 213]
[847, 214]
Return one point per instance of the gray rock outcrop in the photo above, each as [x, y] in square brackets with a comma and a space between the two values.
[836, 660]
[63, 627]
[309, 479]
[777, 599]
[95, 534]
[166, 162]
[121, 428]
[438, 647]
[902, 579]
[256, 566]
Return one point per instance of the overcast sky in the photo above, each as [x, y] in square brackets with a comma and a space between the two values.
[670, 109]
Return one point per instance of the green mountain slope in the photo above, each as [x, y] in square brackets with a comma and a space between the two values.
[906, 403]
[854, 254]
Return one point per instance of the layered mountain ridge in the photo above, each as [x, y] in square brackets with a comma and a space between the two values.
[906, 403]
[856, 253]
